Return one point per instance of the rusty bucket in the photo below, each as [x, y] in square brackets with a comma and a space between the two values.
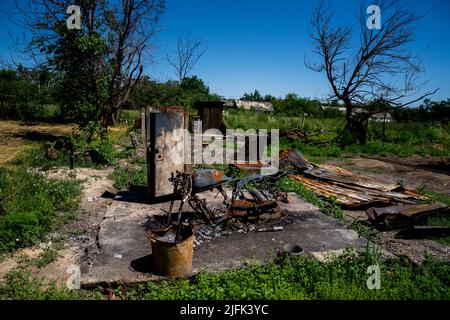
[168, 257]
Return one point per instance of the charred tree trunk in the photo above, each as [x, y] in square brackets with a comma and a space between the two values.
[355, 127]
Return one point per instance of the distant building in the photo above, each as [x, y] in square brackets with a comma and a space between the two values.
[378, 117]
[381, 117]
[341, 109]
[250, 105]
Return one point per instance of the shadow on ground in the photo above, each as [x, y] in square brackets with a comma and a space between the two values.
[135, 194]
[143, 264]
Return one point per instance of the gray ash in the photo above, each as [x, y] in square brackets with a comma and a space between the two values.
[205, 233]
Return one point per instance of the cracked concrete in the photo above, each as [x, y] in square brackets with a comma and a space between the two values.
[123, 253]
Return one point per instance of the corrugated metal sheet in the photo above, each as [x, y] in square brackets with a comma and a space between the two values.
[353, 195]
[349, 189]
[404, 215]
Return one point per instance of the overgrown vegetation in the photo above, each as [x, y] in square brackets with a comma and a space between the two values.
[22, 285]
[31, 205]
[442, 220]
[344, 277]
[303, 278]
[47, 256]
[393, 138]
[327, 206]
[95, 153]
[126, 177]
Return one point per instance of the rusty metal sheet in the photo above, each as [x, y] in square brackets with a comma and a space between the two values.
[323, 173]
[420, 232]
[208, 179]
[351, 195]
[293, 160]
[401, 215]
[335, 169]
[404, 210]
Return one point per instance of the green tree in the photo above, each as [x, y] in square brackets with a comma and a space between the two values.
[150, 92]
[24, 93]
[99, 64]
[254, 96]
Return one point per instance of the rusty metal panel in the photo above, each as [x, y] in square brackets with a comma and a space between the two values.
[293, 160]
[165, 152]
[349, 189]
[403, 215]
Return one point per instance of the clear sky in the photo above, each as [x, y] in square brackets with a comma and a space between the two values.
[261, 44]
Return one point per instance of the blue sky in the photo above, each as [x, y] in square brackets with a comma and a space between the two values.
[261, 44]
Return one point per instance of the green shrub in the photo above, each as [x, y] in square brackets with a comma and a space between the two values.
[35, 157]
[126, 177]
[129, 116]
[33, 204]
[49, 255]
[22, 285]
[345, 277]
[327, 206]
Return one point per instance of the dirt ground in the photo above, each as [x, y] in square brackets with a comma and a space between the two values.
[16, 136]
[412, 177]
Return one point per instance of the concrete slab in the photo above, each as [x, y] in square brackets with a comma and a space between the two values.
[122, 252]
[310, 229]
[121, 240]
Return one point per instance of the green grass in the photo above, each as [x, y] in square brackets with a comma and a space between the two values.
[401, 139]
[116, 146]
[245, 119]
[49, 255]
[439, 197]
[304, 278]
[35, 157]
[300, 278]
[327, 206]
[22, 285]
[126, 177]
[442, 220]
[129, 116]
[32, 205]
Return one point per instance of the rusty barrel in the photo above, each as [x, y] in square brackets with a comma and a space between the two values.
[170, 258]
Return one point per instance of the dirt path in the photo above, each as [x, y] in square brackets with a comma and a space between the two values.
[394, 173]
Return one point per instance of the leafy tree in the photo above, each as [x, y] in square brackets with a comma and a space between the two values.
[255, 96]
[24, 93]
[150, 92]
[191, 89]
[292, 105]
[99, 64]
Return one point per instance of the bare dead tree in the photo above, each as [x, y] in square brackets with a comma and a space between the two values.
[120, 34]
[183, 60]
[376, 71]
[133, 25]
